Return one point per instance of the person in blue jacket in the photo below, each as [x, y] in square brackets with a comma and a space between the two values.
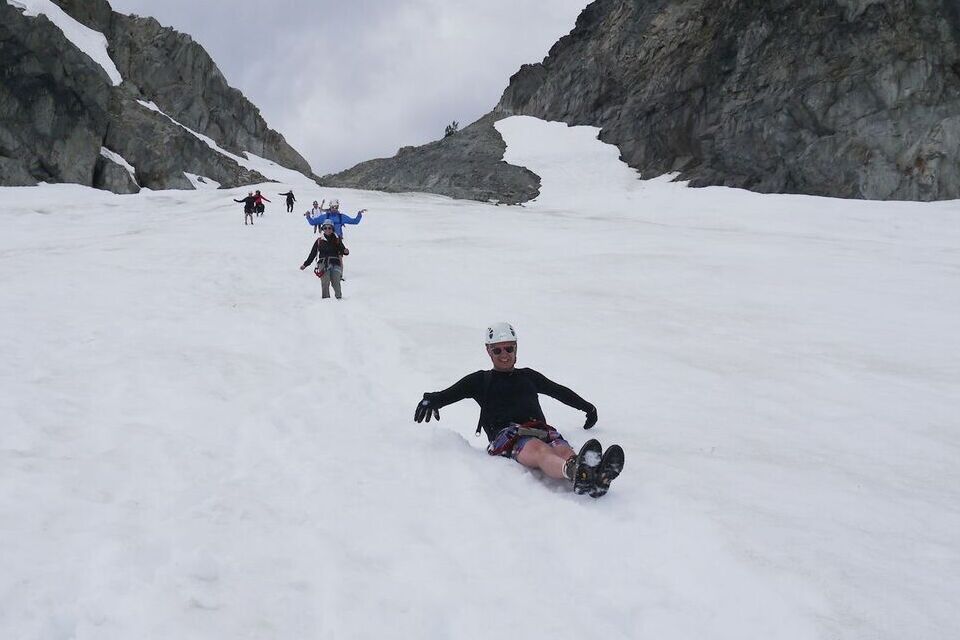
[338, 219]
[332, 214]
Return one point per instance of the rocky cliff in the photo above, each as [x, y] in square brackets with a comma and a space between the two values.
[849, 98]
[467, 165]
[59, 108]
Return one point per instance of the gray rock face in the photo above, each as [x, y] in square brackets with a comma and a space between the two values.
[180, 77]
[468, 165]
[58, 107]
[850, 98]
[110, 176]
[54, 104]
[161, 151]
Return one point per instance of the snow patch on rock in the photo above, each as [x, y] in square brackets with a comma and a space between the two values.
[265, 167]
[120, 160]
[93, 43]
[201, 182]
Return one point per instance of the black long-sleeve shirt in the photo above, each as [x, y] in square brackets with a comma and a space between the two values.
[324, 248]
[511, 397]
[248, 203]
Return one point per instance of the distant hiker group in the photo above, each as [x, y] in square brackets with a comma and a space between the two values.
[327, 250]
[253, 204]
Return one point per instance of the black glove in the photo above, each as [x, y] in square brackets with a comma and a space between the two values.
[591, 417]
[425, 411]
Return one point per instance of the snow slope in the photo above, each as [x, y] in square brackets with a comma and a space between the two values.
[91, 42]
[195, 445]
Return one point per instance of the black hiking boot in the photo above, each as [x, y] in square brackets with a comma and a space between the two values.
[585, 466]
[611, 464]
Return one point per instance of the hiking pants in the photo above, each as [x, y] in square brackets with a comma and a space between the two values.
[331, 276]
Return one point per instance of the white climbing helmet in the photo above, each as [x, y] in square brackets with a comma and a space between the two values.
[334, 203]
[500, 332]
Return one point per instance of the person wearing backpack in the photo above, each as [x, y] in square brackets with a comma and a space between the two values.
[514, 423]
[339, 219]
[328, 250]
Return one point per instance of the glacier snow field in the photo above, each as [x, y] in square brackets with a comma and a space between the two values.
[195, 445]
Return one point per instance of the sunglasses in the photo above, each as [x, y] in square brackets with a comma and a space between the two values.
[498, 350]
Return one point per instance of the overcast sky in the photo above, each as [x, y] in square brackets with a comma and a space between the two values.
[349, 80]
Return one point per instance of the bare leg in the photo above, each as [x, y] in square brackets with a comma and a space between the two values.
[538, 455]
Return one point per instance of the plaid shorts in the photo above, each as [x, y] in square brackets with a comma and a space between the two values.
[509, 443]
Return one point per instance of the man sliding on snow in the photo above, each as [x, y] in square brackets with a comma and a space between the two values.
[513, 420]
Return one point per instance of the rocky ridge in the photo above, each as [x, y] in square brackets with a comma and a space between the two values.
[467, 165]
[847, 98]
[58, 108]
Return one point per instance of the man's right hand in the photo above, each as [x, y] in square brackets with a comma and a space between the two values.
[425, 411]
[591, 417]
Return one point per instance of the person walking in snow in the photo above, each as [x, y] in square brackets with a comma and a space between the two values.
[260, 207]
[249, 204]
[328, 250]
[338, 219]
[290, 200]
[514, 423]
[315, 215]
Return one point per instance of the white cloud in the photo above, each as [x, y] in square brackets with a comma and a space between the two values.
[348, 81]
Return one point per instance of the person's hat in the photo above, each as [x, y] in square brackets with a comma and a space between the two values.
[334, 203]
[325, 224]
[500, 332]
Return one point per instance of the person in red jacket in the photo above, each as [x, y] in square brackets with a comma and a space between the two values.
[259, 199]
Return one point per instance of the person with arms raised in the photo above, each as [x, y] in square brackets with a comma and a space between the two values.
[249, 203]
[290, 200]
[514, 423]
[328, 250]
